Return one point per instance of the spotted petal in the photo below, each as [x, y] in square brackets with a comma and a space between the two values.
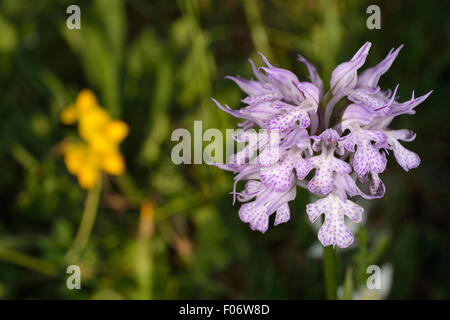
[255, 215]
[283, 214]
[280, 177]
[367, 157]
[405, 158]
[326, 165]
[285, 122]
[257, 212]
[334, 231]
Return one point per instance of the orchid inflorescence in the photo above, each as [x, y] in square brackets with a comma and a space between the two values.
[342, 136]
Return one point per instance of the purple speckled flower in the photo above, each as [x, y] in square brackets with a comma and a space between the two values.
[316, 148]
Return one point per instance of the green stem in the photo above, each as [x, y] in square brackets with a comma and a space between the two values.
[27, 261]
[331, 272]
[258, 33]
[87, 221]
[144, 269]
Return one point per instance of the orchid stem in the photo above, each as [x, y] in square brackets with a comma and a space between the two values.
[330, 272]
[87, 221]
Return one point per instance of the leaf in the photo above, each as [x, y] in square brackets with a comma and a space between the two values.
[100, 56]
[159, 123]
[112, 15]
[348, 284]
[361, 257]
[8, 35]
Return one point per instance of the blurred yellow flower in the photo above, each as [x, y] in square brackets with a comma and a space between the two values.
[102, 136]
[113, 163]
[84, 101]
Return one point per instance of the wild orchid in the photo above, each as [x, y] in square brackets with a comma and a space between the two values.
[327, 143]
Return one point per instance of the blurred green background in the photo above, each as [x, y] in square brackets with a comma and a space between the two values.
[155, 65]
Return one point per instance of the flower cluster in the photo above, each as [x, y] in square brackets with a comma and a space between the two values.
[327, 142]
[101, 137]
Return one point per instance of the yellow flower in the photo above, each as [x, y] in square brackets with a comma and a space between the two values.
[88, 176]
[91, 127]
[101, 135]
[69, 115]
[73, 156]
[116, 130]
[83, 162]
[113, 163]
[84, 102]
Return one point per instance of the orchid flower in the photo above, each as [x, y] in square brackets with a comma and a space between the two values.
[324, 152]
